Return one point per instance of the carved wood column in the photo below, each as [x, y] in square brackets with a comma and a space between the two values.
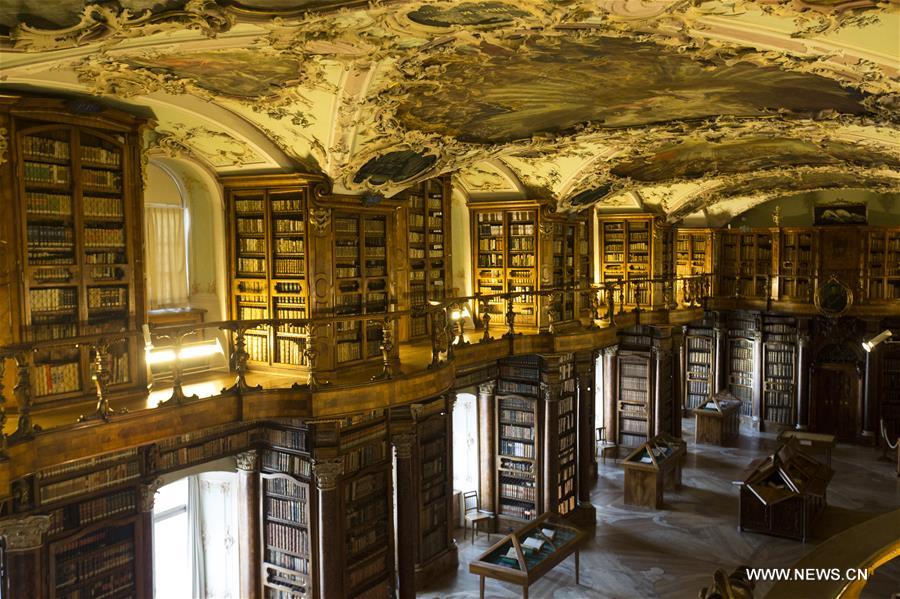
[680, 367]
[587, 454]
[758, 376]
[327, 473]
[550, 394]
[486, 449]
[802, 422]
[407, 514]
[248, 524]
[24, 542]
[144, 538]
[720, 371]
[610, 393]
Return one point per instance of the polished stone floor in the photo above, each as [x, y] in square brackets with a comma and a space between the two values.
[673, 553]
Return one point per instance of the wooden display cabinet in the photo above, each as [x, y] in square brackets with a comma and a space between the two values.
[718, 419]
[784, 494]
[74, 237]
[741, 361]
[634, 249]
[779, 372]
[652, 467]
[428, 248]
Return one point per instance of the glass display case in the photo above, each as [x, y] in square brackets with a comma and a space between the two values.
[718, 419]
[524, 556]
[652, 466]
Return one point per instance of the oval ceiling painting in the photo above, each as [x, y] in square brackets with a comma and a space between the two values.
[394, 167]
[466, 13]
[495, 95]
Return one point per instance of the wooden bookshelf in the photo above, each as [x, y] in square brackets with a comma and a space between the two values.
[644, 394]
[565, 262]
[434, 480]
[746, 263]
[779, 372]
[519, 419]
[693, 254]
[99, 561]
[505, 259]
[268, 257]
[197, 447]
[889, 392]
[428, 247]
[76, 213]
[742, 371]
[566, 438]
[285, 504]
[367, 500]
[700, 364]
[881, 267]
[797, 264]
[634, 248]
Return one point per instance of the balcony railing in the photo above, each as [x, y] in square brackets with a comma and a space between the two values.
[601, 306]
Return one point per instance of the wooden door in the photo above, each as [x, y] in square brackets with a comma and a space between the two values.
[836, 400]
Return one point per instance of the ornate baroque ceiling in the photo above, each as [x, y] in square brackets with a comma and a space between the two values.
[675, 106]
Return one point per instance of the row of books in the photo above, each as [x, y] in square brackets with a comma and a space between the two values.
[566, 422]
[243, 206]
[103, 237]
[53, 299]
[105, 258]
[100, 155]
[287, 561]
[253, 245]
[362, 486]
[366, 455]
[520, 260]
[290, 267]
[521, 244]
[505, 386]
[366, 513]
[46, 147]
[55, 174]
[72, 571]
[203, 450]
[365, 570]
[292, 511]
[78, 515]
[54, 204]
[105, 180]
[523, 433]
[290, 351]
[522, 492]
[107, 297]
[374, 225]
[348, 226]
[99, 207]
[250, 225]
[287, 538]
[291, 586]
[508, 508]
[348, 351]
[289, 245]
[251, 265]
[278, 461]
[94, 481]
[288, 225]
[783, 370]
[517, 449]
[288, 205]
[632, 394]
[359, 543]
[43, 236]
[285, 487]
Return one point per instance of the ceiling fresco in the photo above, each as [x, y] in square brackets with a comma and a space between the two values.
[239, 73]
[695, 159]
[497, 95]
[587, 102]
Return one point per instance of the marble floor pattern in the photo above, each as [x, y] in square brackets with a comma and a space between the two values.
[672, 553]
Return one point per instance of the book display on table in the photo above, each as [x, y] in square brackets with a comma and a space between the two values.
[77, 210]
[428, 247]
[652, 467]
[784, 493]
[717, 420]
[530, 552]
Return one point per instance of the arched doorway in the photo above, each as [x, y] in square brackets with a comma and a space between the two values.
[837, 383]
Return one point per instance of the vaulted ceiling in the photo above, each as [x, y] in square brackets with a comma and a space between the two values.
[676, 106]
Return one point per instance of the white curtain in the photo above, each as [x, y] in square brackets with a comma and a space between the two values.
[465, 443]
[218, 523]
[166, 257]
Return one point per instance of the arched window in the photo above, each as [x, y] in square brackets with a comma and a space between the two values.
[167, 224]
